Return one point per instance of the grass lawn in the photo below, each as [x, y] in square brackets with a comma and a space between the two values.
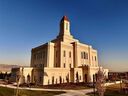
[112, 90]
[11, 92]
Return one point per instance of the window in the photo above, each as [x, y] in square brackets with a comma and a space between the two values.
[81, 55]
[70, 65]
[84, 55]
[70, 54]
[64, 54]
[95, 58]
[37, 56]
[64, 65]
[40, 55]
[44, 54]
[35, 79]
[40, 79]
[52, 79]
[66, 26]
[28, 78]
[34, 56]
[56, 53]
[80, 77]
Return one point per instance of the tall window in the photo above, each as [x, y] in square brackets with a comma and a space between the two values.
[64, 65]
[40, 55]
[44, 54]
[70, 65]
[84, 55]
[40, 79]
[34, 56]
[70, 54]
[95, 58]
[66, 26]
[37, 55]
[81, 55]
[64, 54]
[56, 53]
[80, 77]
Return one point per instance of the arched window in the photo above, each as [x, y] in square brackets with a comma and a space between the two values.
[52, 79]
[28, 78]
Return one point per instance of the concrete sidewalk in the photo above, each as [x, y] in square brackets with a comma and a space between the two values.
[76, 92]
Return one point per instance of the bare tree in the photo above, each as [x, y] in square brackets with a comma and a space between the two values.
[100, 83]
[18, 75]
[19, 79]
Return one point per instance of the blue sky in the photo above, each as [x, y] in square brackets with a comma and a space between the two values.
[25, 24]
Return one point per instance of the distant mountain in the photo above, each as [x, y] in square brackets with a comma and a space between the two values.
[7, 67]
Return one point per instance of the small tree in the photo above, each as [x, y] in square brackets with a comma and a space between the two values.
[18, 76]
[100, 82]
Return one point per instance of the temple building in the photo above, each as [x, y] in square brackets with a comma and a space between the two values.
[62, 60]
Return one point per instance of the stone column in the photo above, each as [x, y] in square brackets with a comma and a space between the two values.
[50, 55]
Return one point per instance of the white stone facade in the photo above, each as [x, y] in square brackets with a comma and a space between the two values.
[63, 59]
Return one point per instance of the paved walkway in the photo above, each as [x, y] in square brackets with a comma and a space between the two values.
[82, 92]
[76, 92]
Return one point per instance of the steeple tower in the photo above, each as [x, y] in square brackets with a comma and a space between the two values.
[64, 26]
[64, 32]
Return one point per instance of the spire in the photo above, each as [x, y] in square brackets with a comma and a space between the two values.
[64, 26]
[64, 18]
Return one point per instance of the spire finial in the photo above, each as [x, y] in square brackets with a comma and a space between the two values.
[64, 18]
